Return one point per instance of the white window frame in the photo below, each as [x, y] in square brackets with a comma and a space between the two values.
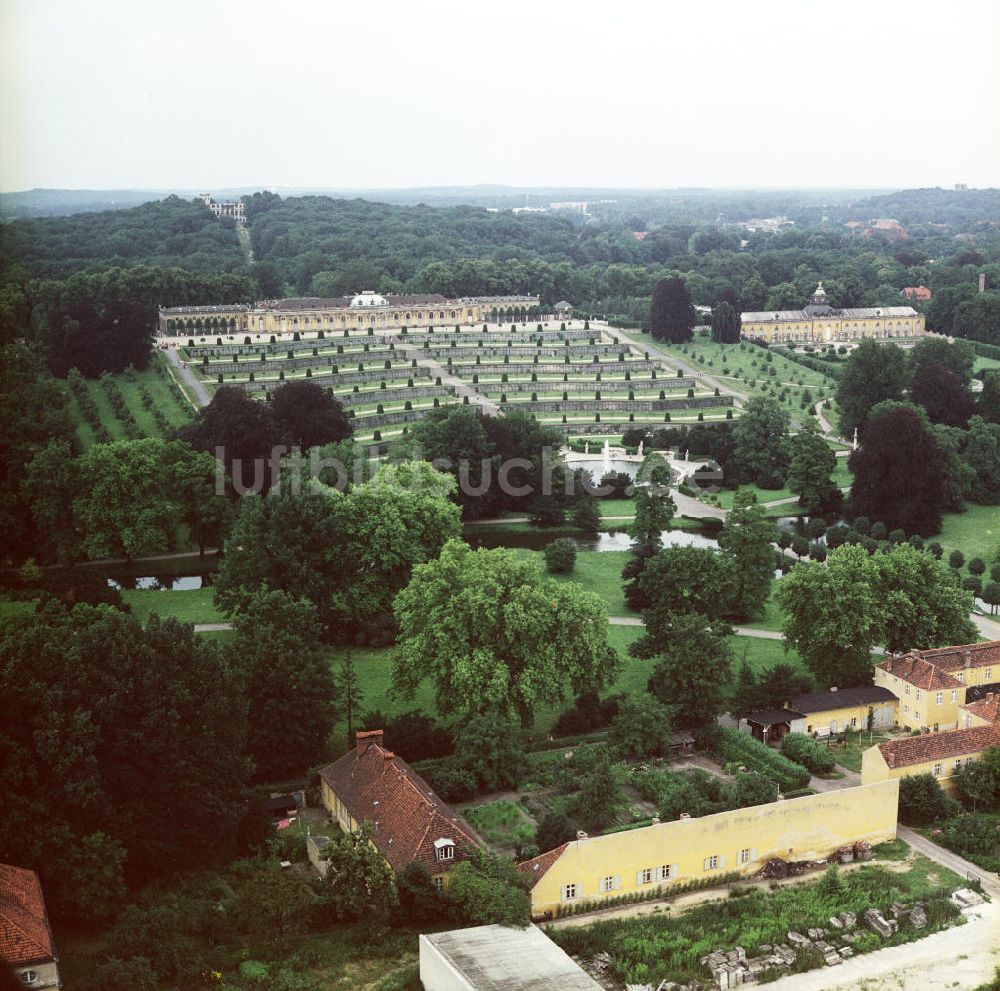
[444, 850]
[607, 883]
[569, 892]
[712, 862]
[936, 771]
[743, 856]
[939, 698]
[954, 695]
[646, 875]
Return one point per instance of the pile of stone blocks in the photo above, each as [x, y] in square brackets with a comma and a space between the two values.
[966, 898]
[916, 916]
[879, 924]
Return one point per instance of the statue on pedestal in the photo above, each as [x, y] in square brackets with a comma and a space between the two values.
[854, 446]
[586, 447]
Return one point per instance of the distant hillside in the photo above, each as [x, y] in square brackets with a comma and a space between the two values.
[166, 232]
[930, 206]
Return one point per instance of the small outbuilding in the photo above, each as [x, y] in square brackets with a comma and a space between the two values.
[564, 310]
[771, 725]
[495, 958]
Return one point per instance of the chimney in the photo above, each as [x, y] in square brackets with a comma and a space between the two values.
[388, 756]
[364, 737]
[982, 282]
[967, 657]
[890, 759]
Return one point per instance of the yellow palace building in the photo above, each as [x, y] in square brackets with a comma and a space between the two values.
[820, 323]
[308, 314]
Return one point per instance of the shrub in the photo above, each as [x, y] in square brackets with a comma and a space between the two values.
[922, 801]
[956, 559]
[756, 756]
[977, 566]
[453, 784]
[806, 751]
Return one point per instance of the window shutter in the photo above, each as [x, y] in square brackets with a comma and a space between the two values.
[722, 860]
[638, 877]
[705, 867]
[753, 855]
[657, 871]
[673, 871]
[616, 883]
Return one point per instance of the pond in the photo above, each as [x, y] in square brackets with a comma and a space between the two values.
[620, 541]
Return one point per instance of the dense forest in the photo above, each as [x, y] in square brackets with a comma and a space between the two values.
[68, 283]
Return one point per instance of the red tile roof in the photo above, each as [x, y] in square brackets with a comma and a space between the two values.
[378, 787]
[915, 670]
[974, 655]
[537, 866]
[987, 708]
[939, 746]
[916, 292]
[25, 936]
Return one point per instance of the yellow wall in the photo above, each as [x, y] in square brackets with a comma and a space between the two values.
[827, 329]
[849, 717]
[874, 768]
[918, 708]
[796, 829]
[977, 675]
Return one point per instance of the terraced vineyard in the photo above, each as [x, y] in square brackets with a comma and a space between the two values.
[573, 375]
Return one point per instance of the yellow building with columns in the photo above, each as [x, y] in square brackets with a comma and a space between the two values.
[363, 310]
[820, 323]
[592, 869]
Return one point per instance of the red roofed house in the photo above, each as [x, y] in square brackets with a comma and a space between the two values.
[982, 712]
[938, 754]
[26, 944]
[919, 293]
[931, 685]
[371, 784]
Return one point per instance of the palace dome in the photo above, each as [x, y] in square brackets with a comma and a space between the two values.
[369, 298]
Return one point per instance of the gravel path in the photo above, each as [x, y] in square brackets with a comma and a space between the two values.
[194, 387]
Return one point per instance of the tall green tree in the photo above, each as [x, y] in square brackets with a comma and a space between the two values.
[812, 464]
[833, 616]
[307, 416]
[359, 883]
[191, 479]
[899, 471]
[685, 580]
[491, 634]
[726, 324]
[51, 484]
[747, 537]
[760, 443]
[982, 454]
[291, 692]
[654, 511]
[989, 399]
[489, 747]
[873, 373]
[942, 394]
[642, 727]
[693, 667]
[671, 315]
[117, 722]
[349, 692]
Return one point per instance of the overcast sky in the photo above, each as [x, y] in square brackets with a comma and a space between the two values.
[392, 93]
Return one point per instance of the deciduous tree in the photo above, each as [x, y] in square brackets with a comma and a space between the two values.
[491, 634]
[747, 538]
[671, 315]
[873, 373]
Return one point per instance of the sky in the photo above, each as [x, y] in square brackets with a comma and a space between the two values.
[210, 94]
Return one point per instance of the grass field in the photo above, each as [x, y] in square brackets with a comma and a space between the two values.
[976, 533]
[188, 605]
[157, 386]
[984, 364]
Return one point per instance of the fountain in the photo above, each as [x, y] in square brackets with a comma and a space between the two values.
[607, 458]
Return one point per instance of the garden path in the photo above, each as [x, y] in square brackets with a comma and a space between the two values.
[194, 386]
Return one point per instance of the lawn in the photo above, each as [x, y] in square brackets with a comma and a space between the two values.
[976, 533]
[983, 365]
[502, 823]
[188, 605]
[849, 756]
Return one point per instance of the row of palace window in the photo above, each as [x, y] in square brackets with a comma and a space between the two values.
[654, 875]
[938, 696]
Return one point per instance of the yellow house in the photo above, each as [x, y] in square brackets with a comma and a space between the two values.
[836, 710]
[590, 869]
[409, 822]
[821, 323]
[938, 754]
[931, 685]
[981, 712]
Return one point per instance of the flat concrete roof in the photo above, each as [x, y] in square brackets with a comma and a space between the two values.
[495, 958]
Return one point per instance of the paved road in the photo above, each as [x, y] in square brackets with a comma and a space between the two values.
[194, 386]
[989, 628]
[212, 627]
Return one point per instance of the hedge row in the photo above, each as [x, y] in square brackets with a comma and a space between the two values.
[806, 751]
[756, 756]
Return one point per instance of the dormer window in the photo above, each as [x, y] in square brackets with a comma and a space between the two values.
[444, 849]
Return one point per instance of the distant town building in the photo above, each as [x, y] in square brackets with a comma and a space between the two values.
[564, 310]
[640, 235]
[770, 225]
[961, 187]
[26, 944]
[920, 294]
[891, 230]
[572, 206]
[237, 210]
[364, 309]
[821, 323]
